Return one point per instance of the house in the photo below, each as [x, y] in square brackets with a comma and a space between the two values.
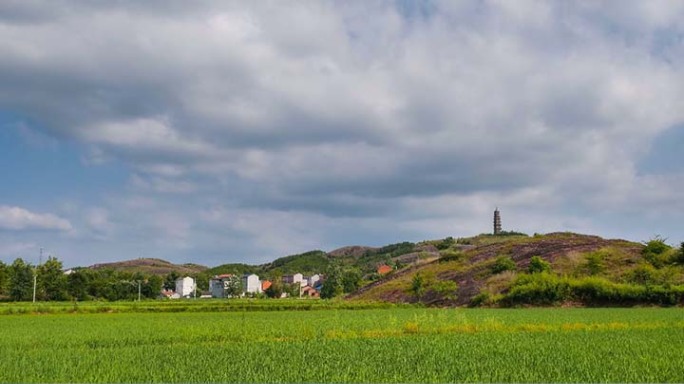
[314, 279]
[265, 285]
[185, 286]
[251, 284]
[166, 293]
[220, 284]
[298, 278]
[384, 269]
[310, 292]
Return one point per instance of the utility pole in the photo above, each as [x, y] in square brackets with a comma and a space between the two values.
[138, 290]
[35, 274]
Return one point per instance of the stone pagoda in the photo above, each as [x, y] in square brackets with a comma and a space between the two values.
[497, 221]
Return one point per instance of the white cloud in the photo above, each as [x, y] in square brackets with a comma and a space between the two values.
[17, 219]
[342, 116]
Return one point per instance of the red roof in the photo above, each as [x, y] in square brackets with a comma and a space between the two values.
[224, 276]
[265, 285]
[384, 269]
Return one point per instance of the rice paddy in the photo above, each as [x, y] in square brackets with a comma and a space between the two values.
[339, 345]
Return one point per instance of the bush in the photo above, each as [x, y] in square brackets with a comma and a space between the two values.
[643, 274]
[678, 258]
[449, 255]
[538, 288]
[655, 251]
[446, 243]
[445, 289]
[594, 263]
[484, 298]
[503, 263]
[538, 265]
[545, 289]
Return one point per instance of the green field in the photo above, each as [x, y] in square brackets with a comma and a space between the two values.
[342, 345]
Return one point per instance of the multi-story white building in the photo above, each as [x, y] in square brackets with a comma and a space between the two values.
[185, 286]
[251, 284]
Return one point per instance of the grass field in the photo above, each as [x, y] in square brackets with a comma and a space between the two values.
[339, 345]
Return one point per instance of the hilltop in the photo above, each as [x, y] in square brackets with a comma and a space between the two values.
[495, 270]
[150, 266]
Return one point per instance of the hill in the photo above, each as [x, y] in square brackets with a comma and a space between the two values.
[495, 270]
[151, 266]
[364, 259]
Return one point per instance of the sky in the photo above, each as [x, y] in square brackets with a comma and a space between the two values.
[242, 131]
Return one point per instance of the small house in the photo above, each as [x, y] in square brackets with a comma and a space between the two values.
[251, 284]
[185, 286]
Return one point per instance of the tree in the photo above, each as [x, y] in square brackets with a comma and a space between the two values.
[4, 279]
[594, 263]
[21, 281]
[51, 280]
[232, 286]
[655, 251]
[678, 257]
[275, 291]
[152, 287]
[170, 281]
[351, 280]
[332, 286]
[77, 285]
[538, 265]
[503, 263]
[418, 286]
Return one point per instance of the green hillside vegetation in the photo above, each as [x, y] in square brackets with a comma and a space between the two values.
[553, 269]
[363, 259]
[150, 266]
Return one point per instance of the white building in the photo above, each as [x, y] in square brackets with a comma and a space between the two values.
[185, 286]
[251, 284]
[298, 278]
[313, 279]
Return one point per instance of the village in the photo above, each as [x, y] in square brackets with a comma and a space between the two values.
[249, 285]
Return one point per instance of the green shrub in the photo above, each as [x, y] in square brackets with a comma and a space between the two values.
[594, 263]
[655, 251]
[538, 265]
[545, 289]
[503, 263]
[445, 289]
[538, 288]
[449, 255]
[678, 258]
[446, 243]
[644, 274]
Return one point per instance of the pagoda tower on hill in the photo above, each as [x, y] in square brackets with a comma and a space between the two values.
[497, 221]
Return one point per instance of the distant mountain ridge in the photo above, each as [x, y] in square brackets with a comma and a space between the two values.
[151, 266]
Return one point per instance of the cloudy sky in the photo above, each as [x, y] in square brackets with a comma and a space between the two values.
[216, 132]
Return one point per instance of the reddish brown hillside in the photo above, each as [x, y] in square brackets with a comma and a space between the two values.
[472, 271]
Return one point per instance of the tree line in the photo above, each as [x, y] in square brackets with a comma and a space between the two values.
[52, 284]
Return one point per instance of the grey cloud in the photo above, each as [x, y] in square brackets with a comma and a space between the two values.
[349, 110]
